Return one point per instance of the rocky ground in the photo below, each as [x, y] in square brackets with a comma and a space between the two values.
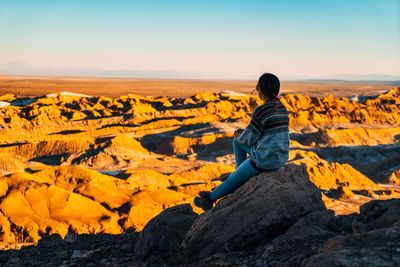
[275, 219]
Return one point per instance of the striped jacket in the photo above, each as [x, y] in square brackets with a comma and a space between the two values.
[268, 136]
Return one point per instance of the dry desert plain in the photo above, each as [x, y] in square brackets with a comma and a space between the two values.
[114, 87]
[113, 158]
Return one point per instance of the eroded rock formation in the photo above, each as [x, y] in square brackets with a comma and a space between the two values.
[85, 164]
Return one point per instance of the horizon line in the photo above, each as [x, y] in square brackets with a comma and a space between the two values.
[305, 79]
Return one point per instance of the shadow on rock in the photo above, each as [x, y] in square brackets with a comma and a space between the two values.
[163, 235]
[263, 208]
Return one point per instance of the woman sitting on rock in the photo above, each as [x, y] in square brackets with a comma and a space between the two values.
[265, 140]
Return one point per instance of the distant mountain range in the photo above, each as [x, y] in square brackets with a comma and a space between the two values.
[24, 68]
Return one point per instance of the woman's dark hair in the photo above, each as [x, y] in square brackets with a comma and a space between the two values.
[268, 85]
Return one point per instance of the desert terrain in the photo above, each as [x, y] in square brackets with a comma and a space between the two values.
[79, 158]
[114, 87]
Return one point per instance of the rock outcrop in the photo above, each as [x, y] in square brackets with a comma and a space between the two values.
[164, 234]
[375, 248]
[375, 240]
[263, 208]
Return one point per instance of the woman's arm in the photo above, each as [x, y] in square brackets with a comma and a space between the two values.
[251, 133]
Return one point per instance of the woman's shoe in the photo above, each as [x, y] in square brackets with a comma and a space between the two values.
[203, 201]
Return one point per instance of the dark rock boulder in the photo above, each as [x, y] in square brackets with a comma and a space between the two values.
[375, 241]
[301, 240]
[379, 247]
[305, 238]
[50, 241]
[261, 209]
[163, 235]
[376, 215]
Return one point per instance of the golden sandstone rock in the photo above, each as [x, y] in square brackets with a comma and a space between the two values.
[395, 177]
[104, 165]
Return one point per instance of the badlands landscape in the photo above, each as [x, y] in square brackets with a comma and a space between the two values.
[86, 174]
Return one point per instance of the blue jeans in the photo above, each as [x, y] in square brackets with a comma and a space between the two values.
[244, 171]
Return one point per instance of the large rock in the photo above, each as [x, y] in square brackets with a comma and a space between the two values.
[163, 235]
[379, 247]
[377, 214]
[263, 208]
[301, 240]
[375, 242]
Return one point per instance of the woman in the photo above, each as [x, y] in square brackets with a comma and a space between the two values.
[265, 140]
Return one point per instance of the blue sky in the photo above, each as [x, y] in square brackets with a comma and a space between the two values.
[200, 39]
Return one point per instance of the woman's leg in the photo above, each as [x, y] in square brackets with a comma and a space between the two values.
[243, 173]
[240, 152]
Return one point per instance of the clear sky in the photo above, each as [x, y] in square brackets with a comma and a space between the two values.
[205, 39]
